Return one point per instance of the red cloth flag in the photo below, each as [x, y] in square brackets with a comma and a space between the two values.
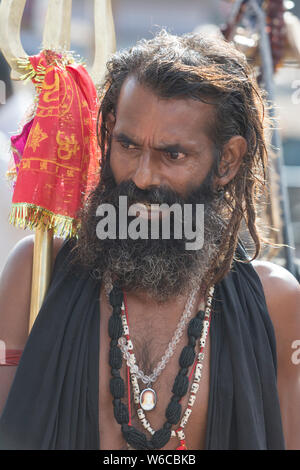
[56, 155]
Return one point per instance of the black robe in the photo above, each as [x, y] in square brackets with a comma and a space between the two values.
[53, 402]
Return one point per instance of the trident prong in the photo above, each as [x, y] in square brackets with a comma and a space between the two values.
[57, 29]
[56, 34]
[105, 38]
[11, 12]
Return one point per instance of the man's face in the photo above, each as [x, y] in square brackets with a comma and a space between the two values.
[160, 142]
[159, 154]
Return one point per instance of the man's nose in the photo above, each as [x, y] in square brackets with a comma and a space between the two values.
[146, 173]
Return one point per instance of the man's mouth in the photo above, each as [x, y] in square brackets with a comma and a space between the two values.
[150, 211]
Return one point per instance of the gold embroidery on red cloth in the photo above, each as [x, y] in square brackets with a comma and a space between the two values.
[60, 157]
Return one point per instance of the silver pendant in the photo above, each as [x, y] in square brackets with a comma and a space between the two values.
[148, 399]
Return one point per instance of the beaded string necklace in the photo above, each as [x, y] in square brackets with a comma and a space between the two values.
[133, 436]
[148, 398]
[196, 371]
[126, 345]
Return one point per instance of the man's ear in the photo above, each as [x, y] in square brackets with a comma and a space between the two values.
[110, 122]
[233, 153]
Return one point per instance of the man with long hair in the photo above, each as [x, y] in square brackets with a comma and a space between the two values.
[207, 335]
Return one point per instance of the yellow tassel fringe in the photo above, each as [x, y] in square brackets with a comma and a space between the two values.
[24, 215]
[31, 73]
[39, 74]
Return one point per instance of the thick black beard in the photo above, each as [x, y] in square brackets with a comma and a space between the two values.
[162, 268]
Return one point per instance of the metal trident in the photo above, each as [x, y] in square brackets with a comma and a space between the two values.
[56, 35]
[56, 32]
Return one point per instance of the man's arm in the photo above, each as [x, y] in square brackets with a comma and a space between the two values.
[282, 292]
[15, 294]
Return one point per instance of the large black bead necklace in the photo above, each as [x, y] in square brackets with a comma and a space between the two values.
[133, 436]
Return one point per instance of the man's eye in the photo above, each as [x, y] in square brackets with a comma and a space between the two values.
[127, 145]
[175, 155]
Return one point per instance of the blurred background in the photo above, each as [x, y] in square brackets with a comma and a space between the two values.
[136, 19]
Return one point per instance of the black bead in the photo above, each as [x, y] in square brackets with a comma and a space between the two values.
[173, 412]
[195, 327]
[116, 311]
[175, 398]
[116, 297]
[115, 372]
[121, 412]
[125, 428]
[181, 385]
[200, 315]
[150, 445]
[160, 438]
[115, 357]
[167, 426]
[187, 356]
[135, 438]
[192, 341]
[117, 387]
[115, 327]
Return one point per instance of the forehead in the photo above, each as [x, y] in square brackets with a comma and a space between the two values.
[142, 113]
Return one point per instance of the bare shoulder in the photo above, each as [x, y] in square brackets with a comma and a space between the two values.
[282, 292]
[280, 286]
[271, 272]
[22, 253]
[15, 292]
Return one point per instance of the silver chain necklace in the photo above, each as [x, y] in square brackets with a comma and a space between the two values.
[131, 360]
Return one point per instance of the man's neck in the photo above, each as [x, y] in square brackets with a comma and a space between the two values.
[142, 308]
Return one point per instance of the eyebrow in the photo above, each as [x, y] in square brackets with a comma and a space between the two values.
[171, 148]
[120, 137]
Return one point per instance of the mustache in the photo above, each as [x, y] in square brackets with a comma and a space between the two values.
[156, 195]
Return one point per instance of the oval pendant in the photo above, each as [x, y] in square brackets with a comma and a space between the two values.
[148, 399]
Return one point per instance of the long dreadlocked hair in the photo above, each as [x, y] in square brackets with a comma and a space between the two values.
[213, 71]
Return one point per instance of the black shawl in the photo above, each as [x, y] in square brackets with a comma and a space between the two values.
[53, 401]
